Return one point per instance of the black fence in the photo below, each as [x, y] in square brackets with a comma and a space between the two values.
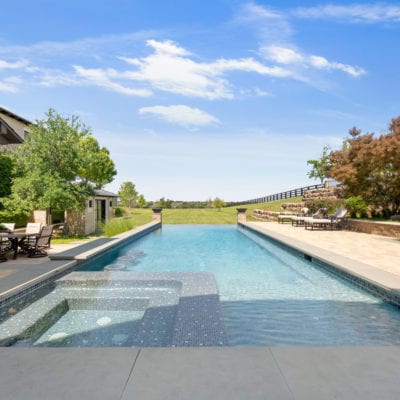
[277, 196]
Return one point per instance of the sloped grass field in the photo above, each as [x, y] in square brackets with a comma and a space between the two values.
[140, 216]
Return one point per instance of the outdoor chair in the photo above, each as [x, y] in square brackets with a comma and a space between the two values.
[9, 226]
[301, 219]
[4, 248]
[42, 241]
[5, 243]
[33, 228]
[330, 222]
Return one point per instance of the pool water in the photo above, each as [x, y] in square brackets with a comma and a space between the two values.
[269, 296]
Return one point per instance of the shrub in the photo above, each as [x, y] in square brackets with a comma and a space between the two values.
[116, 226]
[19, 219]
[118, 212]
[331, 205]
[356, 207]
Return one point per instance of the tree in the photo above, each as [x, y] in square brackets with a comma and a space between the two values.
[58, 166]
[141, 201]
[320, 168]
[5, 175]
[369, 167]
[128, 194]
[218, 203]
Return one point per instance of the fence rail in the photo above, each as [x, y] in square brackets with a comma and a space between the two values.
[277, 196]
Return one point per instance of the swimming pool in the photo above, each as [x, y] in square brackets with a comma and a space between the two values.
[269, 296]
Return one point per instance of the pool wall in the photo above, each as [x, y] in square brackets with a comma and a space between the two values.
[378, 282]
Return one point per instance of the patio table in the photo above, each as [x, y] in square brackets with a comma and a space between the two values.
[16, 238]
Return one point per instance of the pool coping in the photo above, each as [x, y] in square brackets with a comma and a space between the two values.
[381, 283]
[75, 254]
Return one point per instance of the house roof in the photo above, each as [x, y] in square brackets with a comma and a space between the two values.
[11, 128]
[105, 193]
[8, 134]
[14, 116]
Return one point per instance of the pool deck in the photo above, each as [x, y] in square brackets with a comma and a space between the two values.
[219, 372]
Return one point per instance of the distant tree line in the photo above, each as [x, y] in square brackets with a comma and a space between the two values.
[130, 198]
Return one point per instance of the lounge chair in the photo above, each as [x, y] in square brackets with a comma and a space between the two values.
[330, 222]
[301, 219]
[42, 241]
[282, 218]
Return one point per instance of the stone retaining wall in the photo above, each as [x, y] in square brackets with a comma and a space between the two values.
[391, 229]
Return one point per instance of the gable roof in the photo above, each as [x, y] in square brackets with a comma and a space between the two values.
[11, 127]
[8, 134]
[14, 116]
[104, 193]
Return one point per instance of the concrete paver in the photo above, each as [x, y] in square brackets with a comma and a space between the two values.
[206, 373]
[344, 373]
[58, 374]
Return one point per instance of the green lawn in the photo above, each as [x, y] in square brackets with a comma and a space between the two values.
[137, 217]
[227, 215]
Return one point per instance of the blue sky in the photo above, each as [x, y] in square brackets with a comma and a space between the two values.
[198, 99]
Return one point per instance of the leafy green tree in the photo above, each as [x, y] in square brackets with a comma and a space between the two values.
[141, 201]
[128, 194]
[93, 156]
[5, 175]
[218, 203]
[58, 166]
[320, 168]
[164, 203]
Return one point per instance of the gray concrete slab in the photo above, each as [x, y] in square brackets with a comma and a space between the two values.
[206, 373]
[71, 253]
[344, 373]
[19, 276]
[50, 374]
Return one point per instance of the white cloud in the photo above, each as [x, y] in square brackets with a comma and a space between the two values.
[170, 69]
[93, 47]
[13, 65]
[370, 13]
[104, 78]
[283, 55]
[8, 85]
[290, 56]
[270, 23]
[181, 115]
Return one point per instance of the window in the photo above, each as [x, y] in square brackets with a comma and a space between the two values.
[110, 203]
[90, 203]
